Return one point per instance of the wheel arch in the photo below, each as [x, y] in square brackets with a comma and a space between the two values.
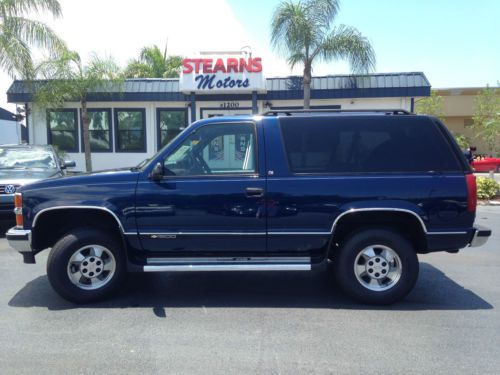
[403, 221]
[66, 218]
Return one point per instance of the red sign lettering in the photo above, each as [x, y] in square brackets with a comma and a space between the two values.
[229, 65]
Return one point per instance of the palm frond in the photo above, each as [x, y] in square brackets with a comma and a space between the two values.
[345, 42]
[137, 69]
[34, 33]
[290, 28]
[153, 63]
[15, 56]
[10, 8]
[323, 12]
[296, 58]
[67, 66]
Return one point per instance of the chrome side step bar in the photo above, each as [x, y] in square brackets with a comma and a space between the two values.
[227, 264]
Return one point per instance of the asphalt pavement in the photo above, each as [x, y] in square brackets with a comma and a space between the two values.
[265, 323]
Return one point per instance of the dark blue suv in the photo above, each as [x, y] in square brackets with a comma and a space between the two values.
[283, 191]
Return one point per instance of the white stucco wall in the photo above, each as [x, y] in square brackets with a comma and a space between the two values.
[107, 160]
[10, 132]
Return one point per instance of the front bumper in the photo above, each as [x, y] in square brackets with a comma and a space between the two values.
[480, 236]
[20, 240]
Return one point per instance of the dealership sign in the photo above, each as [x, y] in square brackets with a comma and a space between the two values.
[219, 74]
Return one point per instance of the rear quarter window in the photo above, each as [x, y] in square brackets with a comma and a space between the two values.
[364, 144]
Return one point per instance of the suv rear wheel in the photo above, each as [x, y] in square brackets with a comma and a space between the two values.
[377, 266]
[86, 265]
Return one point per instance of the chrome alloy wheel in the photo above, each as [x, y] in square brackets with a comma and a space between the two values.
[378, 267]
[91, 267]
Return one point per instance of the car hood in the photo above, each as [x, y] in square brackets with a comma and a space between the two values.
[25, 176]
[92, 178]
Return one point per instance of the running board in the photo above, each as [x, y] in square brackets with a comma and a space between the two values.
[227, 264]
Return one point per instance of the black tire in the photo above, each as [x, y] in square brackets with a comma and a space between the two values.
[63, 250]
[345, 261]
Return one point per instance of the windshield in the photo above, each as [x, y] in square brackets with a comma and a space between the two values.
[20, 158]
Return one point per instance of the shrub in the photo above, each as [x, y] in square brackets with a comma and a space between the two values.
[462, 140]
[487, 188]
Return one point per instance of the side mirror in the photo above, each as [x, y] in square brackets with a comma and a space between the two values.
[157, 172]
[67, 164]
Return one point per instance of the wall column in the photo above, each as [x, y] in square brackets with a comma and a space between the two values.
[254, 103]
[193, 107]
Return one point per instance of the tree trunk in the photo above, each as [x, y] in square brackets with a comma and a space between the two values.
[307, 85]
[86, 136]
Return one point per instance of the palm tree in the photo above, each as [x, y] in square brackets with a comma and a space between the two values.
[153, 63]
[66, 78]
[302, 31]
[19, 33]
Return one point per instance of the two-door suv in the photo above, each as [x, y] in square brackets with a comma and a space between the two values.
[283, 191]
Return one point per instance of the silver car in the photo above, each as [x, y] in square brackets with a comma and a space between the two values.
[21, 165]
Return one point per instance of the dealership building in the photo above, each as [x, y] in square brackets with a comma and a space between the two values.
[134, 121]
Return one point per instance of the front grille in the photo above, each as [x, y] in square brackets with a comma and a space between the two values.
[2, 188]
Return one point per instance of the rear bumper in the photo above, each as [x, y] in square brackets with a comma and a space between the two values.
[480, 237]
[451, 241]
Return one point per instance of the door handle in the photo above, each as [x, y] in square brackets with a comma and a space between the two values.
[253, 192]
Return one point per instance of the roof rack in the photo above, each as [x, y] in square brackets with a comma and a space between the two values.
[298, 111]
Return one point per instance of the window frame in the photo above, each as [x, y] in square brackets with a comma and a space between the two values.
[253, 174]
[116, 124]
[76, 131]
[110, 130]
[158, 129]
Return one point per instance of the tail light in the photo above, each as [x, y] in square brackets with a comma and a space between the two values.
[18, 209]
[470, 179]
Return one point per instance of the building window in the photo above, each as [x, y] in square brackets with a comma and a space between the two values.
[99, 130]
[62, 129]
[170, 122]
[130, 130]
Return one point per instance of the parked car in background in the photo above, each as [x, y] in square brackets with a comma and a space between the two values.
[24, 164]
[486, 164]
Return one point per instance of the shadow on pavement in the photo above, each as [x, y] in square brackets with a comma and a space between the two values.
[434, 291]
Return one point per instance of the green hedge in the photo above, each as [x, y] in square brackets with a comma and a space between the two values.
[487, 188]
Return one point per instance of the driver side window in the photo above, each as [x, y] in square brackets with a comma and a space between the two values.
[215, 149]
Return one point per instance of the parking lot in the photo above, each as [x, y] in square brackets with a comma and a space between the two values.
[257, 322]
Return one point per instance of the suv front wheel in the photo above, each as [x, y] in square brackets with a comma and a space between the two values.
[376, 266]
[86, 265]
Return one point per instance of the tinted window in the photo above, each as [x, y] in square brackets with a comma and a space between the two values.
[215, 149]
[365, 144]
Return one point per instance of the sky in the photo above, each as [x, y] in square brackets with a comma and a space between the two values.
[454, 42]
